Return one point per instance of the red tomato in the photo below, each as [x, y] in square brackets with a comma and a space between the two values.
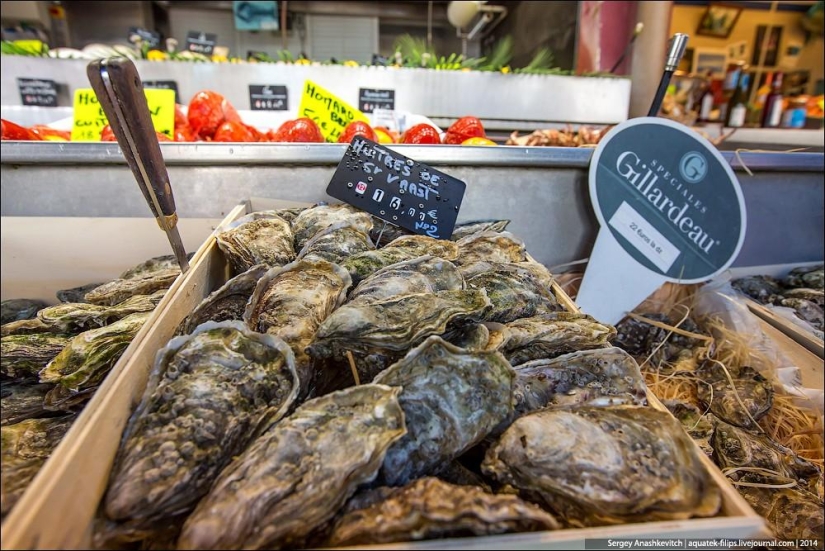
[463, 129]
[302, 130]
[107, 135]
[233, 132]
[421, 134]
[357, 128]
[13, 131]
[207, 111]
[44, 132]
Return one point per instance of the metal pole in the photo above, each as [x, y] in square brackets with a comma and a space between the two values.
[763, 53]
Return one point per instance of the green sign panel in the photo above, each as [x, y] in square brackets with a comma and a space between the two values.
[669, 199]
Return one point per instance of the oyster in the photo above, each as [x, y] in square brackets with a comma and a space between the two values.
[734, 447]
[553, 334]
[18, 309]
[695, 424]
[256, 239]
[641, 339]
[605, 465]
[76, 294]
[154, 265]
[296, 476]
[759, 288]
[312, 221]
[515, 290]
[456, 473]
[403, 248]
[806, 310]
[73, 318]
[470, 336]
[336, 243]
[817, 296]
[811, 277]
[385, 232]
[490, 246]
[715, 393]
[25, 447]
[380, 332]
[119, 290]
[469, 228]
[62, 399]
[289, 213]
[228, 302]
[425, 274]
[23, 327]
[601, 377]
[19, 402]
[208, 394]
[89, 356]
[792, 514]
[452, 399]
[23, 356]
[292, 301]
[430, 508]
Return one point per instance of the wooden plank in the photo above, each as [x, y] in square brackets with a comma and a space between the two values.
[58, 508]
[795, 332]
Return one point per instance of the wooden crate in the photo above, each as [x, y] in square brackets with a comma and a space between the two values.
[58, 509]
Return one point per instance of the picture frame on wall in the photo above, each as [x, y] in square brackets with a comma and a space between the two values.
[718, 20]
[713, 60]
[771, 48]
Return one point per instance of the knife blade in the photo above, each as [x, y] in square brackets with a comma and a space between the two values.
[119, 90]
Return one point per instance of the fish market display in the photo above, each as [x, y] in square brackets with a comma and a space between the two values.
[228, 302]
[553, 334]
[210, 391]
[429, 508]
[605, 465]
[296, 476]
[451, 399]
[257, 238]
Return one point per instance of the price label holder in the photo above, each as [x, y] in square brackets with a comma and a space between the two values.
[369, 100]
[151, 38]
[163, 85]
[397, 189]
[330, 113]
[37, 91]
[263, 97]
[89, 118]
[201, 43]
[670, 209]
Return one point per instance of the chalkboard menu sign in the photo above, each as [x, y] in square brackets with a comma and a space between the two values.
[397, 189]
[151, 38]
[201, 43]
[369, 100]
[263, 97]
[163, 85]
[37, 91]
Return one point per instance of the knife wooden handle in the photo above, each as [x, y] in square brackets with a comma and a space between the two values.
[120, 92]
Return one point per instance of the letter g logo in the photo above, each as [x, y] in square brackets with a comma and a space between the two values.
[693, 167]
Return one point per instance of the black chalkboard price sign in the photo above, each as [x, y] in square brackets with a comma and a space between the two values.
[201, 43]
[37, 91]
[369, 100]
[163, 85]
[397, 189]
[263, 97]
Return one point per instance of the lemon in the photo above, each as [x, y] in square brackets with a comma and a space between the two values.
[156, 55]
[478, 141]
[383, 137]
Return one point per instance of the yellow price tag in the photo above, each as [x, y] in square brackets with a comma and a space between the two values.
[31, 46]
[89, 118]
[330, 113]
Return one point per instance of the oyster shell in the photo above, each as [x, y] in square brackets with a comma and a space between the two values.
[515, 290]
[792, 514]
[154, 265]
[430, 508]
[469, 228]
[312, 221]
[817, 296]
[605, 465]
[23, 327]
[289, 213]
[601, 377]
[715, 393]
[256, 239]
[18, 309]
[425, 274]
[384, 232]
[296, 476]
[807, 310]
[228, 302]
[25, 447]
[73, 318]
[640, 339]
[380, 332]
[452, 399]
[62, 399]
[490, 246]
[89, 356]
[76, 294]
[759, 288]
[336, 243]
[23, 356]
[403, 248]
[117, 291]
[19, 402]
[811, 277]
[553, 334]
[208, 394]
[735, 447]
[697, 425]
[456, 473]
[470, 336]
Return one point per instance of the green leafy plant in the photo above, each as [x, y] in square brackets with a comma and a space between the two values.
[542, 63]
[500, 56]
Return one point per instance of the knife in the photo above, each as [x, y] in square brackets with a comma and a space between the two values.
[675, 51]
[120, 92]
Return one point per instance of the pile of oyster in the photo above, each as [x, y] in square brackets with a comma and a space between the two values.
[334, 392]
[801, 290]
[53, 359]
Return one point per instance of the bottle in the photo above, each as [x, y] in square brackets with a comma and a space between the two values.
[772, 110]
[730, 85]
[705, 101]
[738, 104]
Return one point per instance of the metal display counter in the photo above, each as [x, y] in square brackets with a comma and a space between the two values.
[543, 190]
